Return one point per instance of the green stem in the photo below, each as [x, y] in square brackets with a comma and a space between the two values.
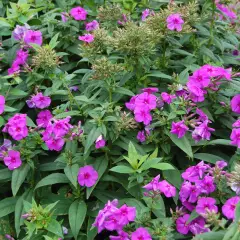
[212, 24]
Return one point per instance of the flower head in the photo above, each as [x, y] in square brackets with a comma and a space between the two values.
[167, 189]
[145, 14]
[79, 13]
[141, 233]
[206, 204]
[39, 101]
[91, 26]
[229, 208]
[235, 104]
[12, 160]
[179, 128]
[2, 104]
[87, 176]
[43, 118]
[167, 98]
[33, 37]
[181, 224]
[153, 185]
[19, 32]
[143, 115]
[235, 137]
[88, 38]
[146, 100]
[100, 142]
[175, 22]
[141, 136]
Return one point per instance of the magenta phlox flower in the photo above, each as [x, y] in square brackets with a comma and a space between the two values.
[21, 57]
[221, 164]
[141, 136]
[141, 233]
[39, 101]
[43, 118]
[143, 115]
[88, 38]
[207, 185]
[235, 137]
[126, 214]
[235, 104]
[34, 37]
[202, 132]
[167, 98]
[121, 236]
[175, 22]
[236, 124]
[182, 224]
[91, 26]
[146, 100]
[226, 11]
[197, 226]
[100, 142]
[145, 14]
[167, 189]
[131, 104]
[150, 90]
[2, 104]
[15, 69]
[179, 128]
[19, 32]
[78, 13]
[12, 160]
[206, 204]
[87, 176]
[153, 185]
[200, 78]
[229, 208]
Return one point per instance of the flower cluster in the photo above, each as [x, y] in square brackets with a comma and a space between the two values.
[39, 101]
[142, 104]
[20, 60]
[156, 187]
[55, 132]
[17, 126]
[207, 77]
[199, 183]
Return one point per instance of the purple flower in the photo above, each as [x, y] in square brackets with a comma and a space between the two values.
[179, 128]
[87, 176]
[64, 16]
[189, 192]
[235, 104]
[79, 13]
[182, 225]
[197, 226]
[175, 22]
[21, 57]
[221, 164]
[2, 104]
[131, 104]
[141, 233]
[226, 11]
[229, 208]
[5, 147]
[126, 214]
[12, 160]
[167, 98]
[91, 26]
[43, 118]
[236, 124]
[235, 137]
[200, 78]
[153, 185]
[205, 204]
[146, 100]
[100, 142]
[55, 143]
[141, 136]
[65, 230]
[167, 189]
[150, 90]
[121, 236]
[202, 132]
[88, 38]
[33, 37]
[143, 115]
[15, 68]
[39, 101]
[145, 14]
[207, 185]
[74, 88]
[19, 32]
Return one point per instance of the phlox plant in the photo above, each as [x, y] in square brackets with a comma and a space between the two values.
[120, 120]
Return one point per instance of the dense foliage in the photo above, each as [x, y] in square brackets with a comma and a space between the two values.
[119, 119]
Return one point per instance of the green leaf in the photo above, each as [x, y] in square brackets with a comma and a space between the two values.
[210, 236]
[150, 163]
[5, 174]
[124, 91]
[55, 227]
[207, 157]
[30, 122]
[27, 196]
[91, 138]
[16, 93]
[237, 211]
[220, 142]
[53, 43]
[163, 166]
[7, 206]
[77, 214]
[18, 177]
[52, 179]
[132, 156]
[66, 114]
[122, 169]
[182, 143]
[71, 173]
[159, 75]
[100, 166]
